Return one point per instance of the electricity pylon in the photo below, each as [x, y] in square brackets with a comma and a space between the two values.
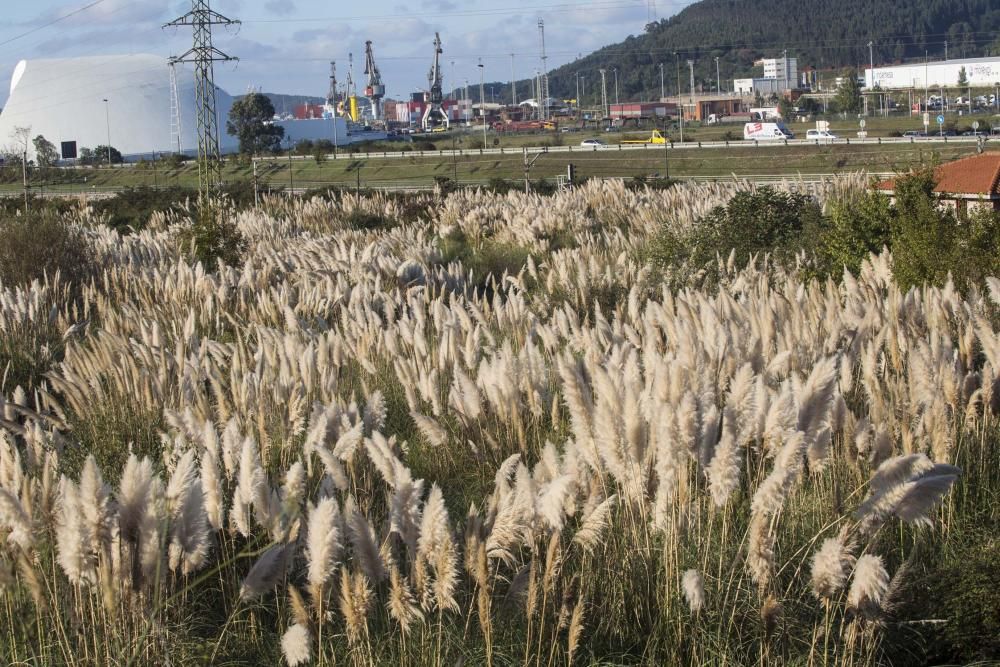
[204, 55]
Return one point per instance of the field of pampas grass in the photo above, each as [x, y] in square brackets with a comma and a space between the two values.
[490, 436]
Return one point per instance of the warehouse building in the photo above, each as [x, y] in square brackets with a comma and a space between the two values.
[80, 103]
[980, 73]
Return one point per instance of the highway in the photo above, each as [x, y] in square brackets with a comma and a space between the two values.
[688, 145]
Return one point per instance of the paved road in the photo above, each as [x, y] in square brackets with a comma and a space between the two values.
[612, 148]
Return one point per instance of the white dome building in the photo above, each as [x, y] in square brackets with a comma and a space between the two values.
[63, 100]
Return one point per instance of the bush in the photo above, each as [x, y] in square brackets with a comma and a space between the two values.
[754, 222]
[858, 225]
[364, 220]
[37, 245]
[131, 209]
[213, 237]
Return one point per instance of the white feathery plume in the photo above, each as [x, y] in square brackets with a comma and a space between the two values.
[94, 505]
[694, 590]
[296, 645]
[376, 411]
[830, 566]
[437, 548]
[362, 539]
[73, 550]
[323, 545]
[552, 500]
[868, 585]
[189, 544]
[724, 470]
[266, 572]
[908, 487]
[594, 524]
[430, 429]
[15, 520]
[211, 486]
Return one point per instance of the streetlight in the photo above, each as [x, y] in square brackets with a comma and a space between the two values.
[482, 98]
[615, 70]
[718, 81]
[107, 118]
[662, 95]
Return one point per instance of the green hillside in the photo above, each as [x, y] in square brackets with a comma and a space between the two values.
[826, 35]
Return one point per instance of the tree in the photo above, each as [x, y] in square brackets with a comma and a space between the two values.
[46, 154]
[963, 78]
[785, 109]
[848, 97]
[859, 225]
[101, 155]
[250, 120]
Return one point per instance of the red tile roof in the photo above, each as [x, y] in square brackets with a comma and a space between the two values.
[976, 175]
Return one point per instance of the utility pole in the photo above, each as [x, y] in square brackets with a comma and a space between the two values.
[615, 70]
[107, 119]
[604, 93]
[24, 175]
[482, 98]
[204, 55]
[691, 67]
[513, 82]
[718, 81]
[662, 95]
[680, 103]
[577, 93]
[946, 49]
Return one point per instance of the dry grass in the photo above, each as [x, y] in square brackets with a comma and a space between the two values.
[506, 475]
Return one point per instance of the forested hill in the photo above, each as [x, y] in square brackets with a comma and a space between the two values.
[820, 33]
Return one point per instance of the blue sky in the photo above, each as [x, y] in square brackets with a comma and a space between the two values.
[285, 45]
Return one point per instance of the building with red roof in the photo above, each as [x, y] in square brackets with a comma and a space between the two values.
[965, 184]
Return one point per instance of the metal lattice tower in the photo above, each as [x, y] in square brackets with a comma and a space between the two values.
[543, 79]
[175, 111]
[204, 55]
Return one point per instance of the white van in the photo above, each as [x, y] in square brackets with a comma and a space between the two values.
[820, 135]
[766, 132]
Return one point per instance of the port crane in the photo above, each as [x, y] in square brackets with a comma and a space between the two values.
[434, 115]
[375, 90]
[350, 93]
[332, 95]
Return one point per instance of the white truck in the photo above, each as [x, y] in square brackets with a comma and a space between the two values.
[766, 132]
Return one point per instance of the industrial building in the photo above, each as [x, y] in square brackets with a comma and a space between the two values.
[636, 111]
[86, 102]
[780, 74]
[980, 72]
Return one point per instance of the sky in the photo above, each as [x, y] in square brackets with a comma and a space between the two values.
[285, 46]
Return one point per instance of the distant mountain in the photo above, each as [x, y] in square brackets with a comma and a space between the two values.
[819, 33]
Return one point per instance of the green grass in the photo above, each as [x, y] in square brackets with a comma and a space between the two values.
[607, 163]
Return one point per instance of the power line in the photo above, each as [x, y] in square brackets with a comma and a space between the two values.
[51, 23]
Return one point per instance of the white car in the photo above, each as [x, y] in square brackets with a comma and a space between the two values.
[820, 135]
[592, 143]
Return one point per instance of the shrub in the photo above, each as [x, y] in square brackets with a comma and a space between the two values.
[213, 237]
[754, 222]
[859, 224]
[131, 209]
[39, 245]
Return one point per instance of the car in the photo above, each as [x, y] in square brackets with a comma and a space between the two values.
[820, 135]
[592, 143]
[914, 133]
[439, 128]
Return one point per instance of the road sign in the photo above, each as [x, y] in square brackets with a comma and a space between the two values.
[862, 123]
[927, 118]
[940, 119]
[975, 125]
